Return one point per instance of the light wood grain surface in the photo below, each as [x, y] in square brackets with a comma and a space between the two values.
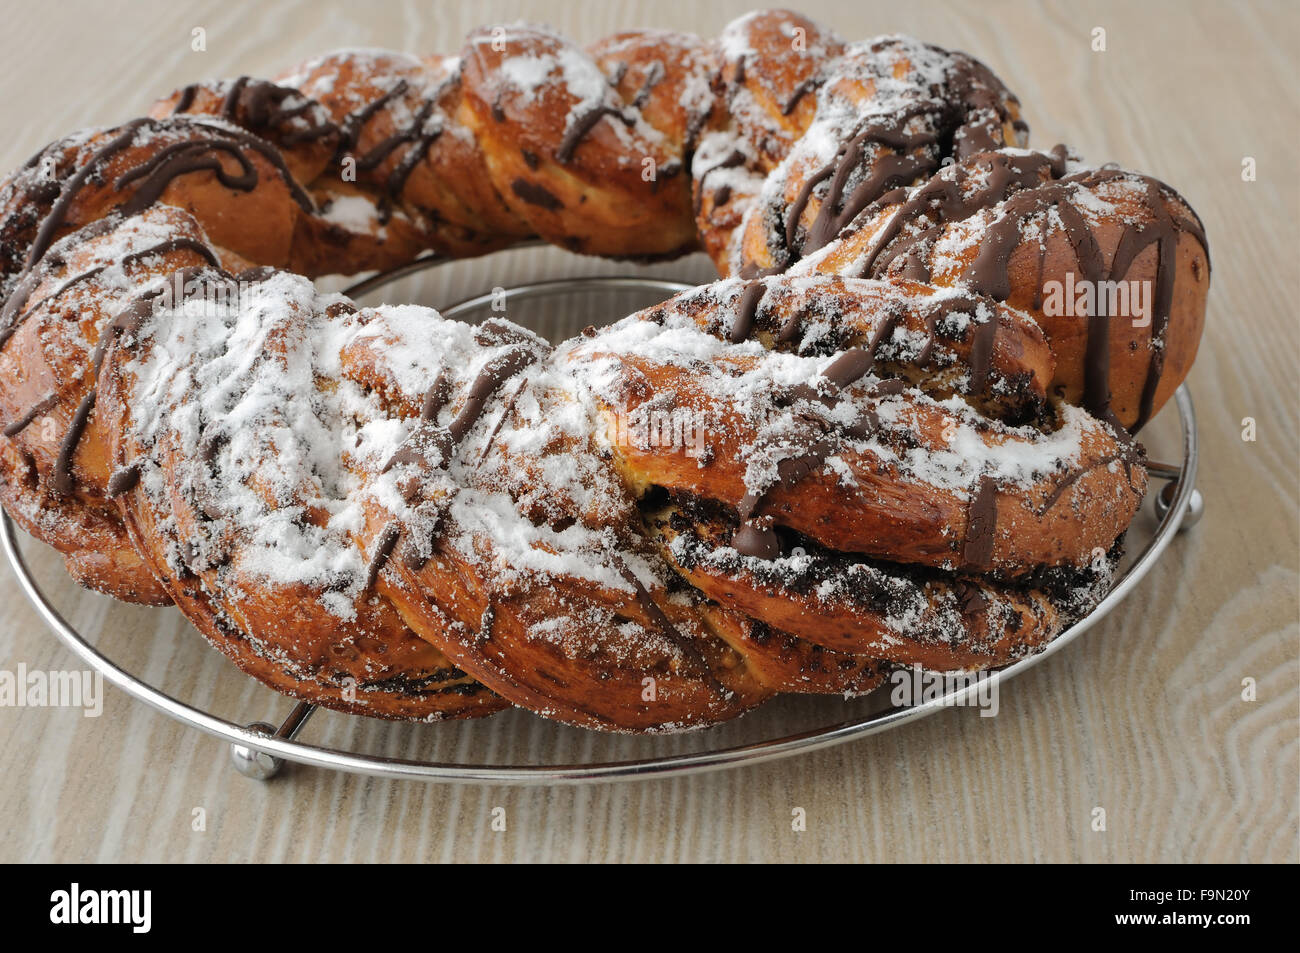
[1143, 717]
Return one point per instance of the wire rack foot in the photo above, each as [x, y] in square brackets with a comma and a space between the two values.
[262, 765]
[1164, 500]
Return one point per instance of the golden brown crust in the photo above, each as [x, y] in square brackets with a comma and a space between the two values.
[55, 456]
[873, 505]
[447, 200]
[1060, 267]
[948, 437]
[96, 549]
[232, 504]
[851, 606]
[564, 608]
[929, 338]
[1060, 487]
[788, 663]
[373, 665]
[618, 189]
[591, 675]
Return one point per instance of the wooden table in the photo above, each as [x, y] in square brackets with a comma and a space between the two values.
[1143, 717]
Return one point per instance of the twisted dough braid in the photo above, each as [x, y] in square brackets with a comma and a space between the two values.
[385, 512]
[287, 451]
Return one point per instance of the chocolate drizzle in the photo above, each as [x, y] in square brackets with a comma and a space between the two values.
[579, 128]
[26, 419]
[950, 197]
[800, 91]
[982, 343]
[129, 319]
[418, 135]
[162, 175]
[981, 524]
[732, 159]
[653, 75]
[61, 475]
[756, 537]
[988, 273]
[756, 540]
[747, 312]
[69, 190]
[665, 626]
[883, 171]
[123, 480]
[981, 353]
[355, 121]
[968, 117]
[436, 397]
[157, 172]
[153, 175]
[17, 308]
[580, 125]
[182, 158]
[1024, 187]
[258, 104]
[1128, 452]
[506, 411]
[61, 479]
[1163, 233]
[430, 446]
[186, 99]
[489, 380]
[383, 549]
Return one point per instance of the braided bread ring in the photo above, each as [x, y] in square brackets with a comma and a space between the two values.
[874, 416]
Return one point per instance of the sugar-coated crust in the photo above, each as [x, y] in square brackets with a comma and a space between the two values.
[887, 436]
